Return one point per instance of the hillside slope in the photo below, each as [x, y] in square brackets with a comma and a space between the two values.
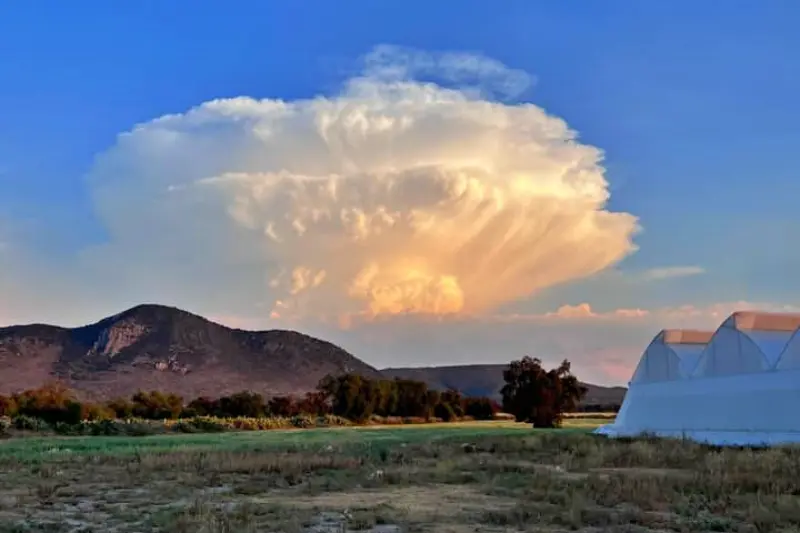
[487, 380]
[153, 347]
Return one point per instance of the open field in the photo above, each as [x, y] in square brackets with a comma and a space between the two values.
[488, 477]
[41, 448]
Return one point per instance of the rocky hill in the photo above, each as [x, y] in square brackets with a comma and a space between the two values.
[487, 380]
[154, 347]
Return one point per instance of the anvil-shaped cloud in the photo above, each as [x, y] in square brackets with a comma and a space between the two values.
[393, 196]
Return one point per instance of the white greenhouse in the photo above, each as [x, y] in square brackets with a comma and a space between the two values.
[729, 387]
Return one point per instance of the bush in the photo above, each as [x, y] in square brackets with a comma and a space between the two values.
[444, 411]
[480, 408]
[200, 425]
[332, 421]
[105, 427]
[64, 428]
[303, 421]
[29, 423]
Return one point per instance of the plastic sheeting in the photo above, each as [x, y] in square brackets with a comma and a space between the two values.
[740, 393]
[733, 350]
[747, 409]
[672, 354]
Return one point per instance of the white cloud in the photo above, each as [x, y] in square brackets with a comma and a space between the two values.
[392, 197]
[655, 274]
[472, 72]
[409, 212]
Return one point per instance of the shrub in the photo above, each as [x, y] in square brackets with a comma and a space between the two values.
[282, 406]
[444, 411]
[8, 406]
[29, 423]
[303, 421]
[325, 421]
[64, 428]
[201, 424]
[480, 408]
[141, 428]
[121, 407]
[104, 427]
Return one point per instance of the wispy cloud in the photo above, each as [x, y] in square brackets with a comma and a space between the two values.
[662, 273]
[469, 71]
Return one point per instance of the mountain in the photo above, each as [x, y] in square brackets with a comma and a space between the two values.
[487, 380]
[153, 347]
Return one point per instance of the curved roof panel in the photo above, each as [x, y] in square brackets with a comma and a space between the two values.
[686, 336]
[672, 354]
[756, 320]
[747, 341]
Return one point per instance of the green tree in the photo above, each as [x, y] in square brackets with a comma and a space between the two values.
[533, 394]
[156, 405]
[247, 404]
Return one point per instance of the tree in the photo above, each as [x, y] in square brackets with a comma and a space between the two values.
[314, 403]
[480, 408]
[533, 394]
[155, 405]
[122, 407]
[282, 406]
[246, 404]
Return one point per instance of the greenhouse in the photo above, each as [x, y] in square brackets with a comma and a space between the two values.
[725, 388]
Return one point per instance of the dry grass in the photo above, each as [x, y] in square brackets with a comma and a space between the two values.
[527, 481]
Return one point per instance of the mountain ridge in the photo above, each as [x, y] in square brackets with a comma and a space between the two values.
[158, 347]
[155, 347]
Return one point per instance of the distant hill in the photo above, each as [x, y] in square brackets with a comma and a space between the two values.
[487, 380]
[153, 347]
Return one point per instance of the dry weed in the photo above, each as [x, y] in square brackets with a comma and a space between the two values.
[536, 481]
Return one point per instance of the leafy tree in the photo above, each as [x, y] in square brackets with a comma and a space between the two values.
[247, 404]
[533, 394]
[8, 406]
[480, 408]
[314, 403]
[53, 403]
[122, 407]
[413, 399]
[202, 406]
[156, 405]
[282, 406]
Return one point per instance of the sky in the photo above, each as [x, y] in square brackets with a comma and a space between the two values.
[486, 181]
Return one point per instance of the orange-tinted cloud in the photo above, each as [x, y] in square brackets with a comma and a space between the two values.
[392, 196]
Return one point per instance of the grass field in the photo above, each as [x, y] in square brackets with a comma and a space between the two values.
[37, 449]
[457, 478]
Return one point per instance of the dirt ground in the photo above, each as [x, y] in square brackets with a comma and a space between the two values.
[525, 482]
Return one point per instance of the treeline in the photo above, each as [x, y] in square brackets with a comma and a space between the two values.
[531, 394]
[348, 396]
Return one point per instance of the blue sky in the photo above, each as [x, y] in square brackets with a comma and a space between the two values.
[694, 104]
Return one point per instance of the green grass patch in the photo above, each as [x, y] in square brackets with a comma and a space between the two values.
[36, 449]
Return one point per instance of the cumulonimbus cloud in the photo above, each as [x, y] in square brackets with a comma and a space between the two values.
[392, 196]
